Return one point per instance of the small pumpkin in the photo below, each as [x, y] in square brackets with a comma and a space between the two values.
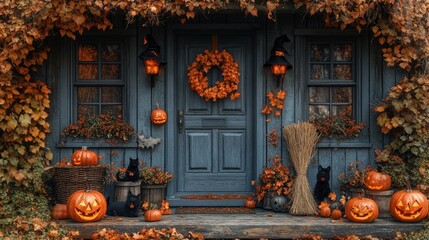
[59, 211]
[377, 181]
[362, 210]
[86, 206]
[250, 202]
[324, 209]
[158, 116]
[409, 206]
[152, 215]
[84, 157]
[336, 214]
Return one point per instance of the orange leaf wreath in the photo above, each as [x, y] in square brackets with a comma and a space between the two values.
[198, 80]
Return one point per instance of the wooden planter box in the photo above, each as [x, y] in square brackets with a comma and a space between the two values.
[122, 188]
[153, 193]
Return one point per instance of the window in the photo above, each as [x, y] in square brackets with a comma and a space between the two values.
[99, 82]
[332, 78]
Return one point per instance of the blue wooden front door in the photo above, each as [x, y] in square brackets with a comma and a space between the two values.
[215, 145]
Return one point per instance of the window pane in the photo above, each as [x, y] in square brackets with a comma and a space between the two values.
[319, 94]
[88, 53]
[320, 53]
[84, 110]
[110, 71]
[111, 95]
[114, 109]
[319, 71]
[320, 110]
[111, 53]
[343, 71]
[88, 71]
[342, 95]
[343, 109]
[87, 94]
[342, 52]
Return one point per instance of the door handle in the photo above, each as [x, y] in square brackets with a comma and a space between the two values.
[180, 120]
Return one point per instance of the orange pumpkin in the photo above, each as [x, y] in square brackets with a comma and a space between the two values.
[324, 209]
[86, 206]
[409, 206]
[84, 157]
[336, 214]
[152, 215]
[377, 181]
[250, 203]
[361, 210]
[158, 116]
[325, 212]
[59, 211]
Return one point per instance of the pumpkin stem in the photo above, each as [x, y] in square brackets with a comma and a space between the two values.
[87, 189]
[85, 148]
[362, 194]
[157, 105]
[408, 187]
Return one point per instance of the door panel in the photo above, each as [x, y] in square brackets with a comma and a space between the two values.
[214, 151]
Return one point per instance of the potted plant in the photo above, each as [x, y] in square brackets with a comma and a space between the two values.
[153, 184]
[274, 179]
[353, 181]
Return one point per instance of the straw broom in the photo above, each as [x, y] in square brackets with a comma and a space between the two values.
[301, 139]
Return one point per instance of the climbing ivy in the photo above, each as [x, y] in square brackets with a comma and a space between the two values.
[401, 28]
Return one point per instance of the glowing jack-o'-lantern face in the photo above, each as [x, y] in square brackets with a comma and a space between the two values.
[158, 116]
[361, 210]
[86, 206]
[377, 181]
[409, 206]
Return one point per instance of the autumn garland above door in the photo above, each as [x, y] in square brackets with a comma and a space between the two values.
[198, 81]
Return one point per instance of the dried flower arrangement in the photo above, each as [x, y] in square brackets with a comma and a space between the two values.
[108, 126]
[342, 127]
[154, 176]
[275, 177]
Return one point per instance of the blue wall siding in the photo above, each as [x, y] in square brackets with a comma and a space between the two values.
[376, 81]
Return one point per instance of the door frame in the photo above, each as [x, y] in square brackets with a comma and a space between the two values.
[259, 128]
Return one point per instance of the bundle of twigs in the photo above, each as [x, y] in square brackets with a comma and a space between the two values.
[301, 139]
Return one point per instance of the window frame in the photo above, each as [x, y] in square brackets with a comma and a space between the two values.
[123, 82]
[356, 84]
[331, 83]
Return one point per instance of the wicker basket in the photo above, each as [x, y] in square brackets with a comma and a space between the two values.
[67, 180]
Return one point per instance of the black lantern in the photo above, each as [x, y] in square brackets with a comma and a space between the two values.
[151, 57]
[277, 61]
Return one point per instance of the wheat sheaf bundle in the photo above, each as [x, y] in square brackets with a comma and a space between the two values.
[301, 139]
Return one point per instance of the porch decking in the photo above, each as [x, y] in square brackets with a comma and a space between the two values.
[262, 224]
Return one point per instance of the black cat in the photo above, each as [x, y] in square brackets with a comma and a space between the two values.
[322, 189]
[132, 174]
[129, 208]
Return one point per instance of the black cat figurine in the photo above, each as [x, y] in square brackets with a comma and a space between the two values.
[322, 189]
[132, 173]
[128, 208]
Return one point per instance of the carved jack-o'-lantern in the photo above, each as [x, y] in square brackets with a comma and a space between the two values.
[86, 206]
[409, 206]
[158, 116]
[84, 157]
[361, 210]
[377, 181]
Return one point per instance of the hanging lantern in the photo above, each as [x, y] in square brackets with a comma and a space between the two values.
[151, 57]
[277, 61]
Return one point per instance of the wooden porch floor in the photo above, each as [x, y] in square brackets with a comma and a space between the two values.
[262, 224]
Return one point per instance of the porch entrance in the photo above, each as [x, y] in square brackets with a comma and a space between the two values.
[215, 140]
